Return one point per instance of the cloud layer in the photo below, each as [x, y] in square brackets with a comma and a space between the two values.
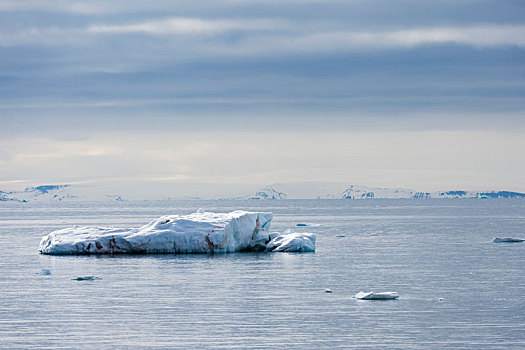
[266, 36]
[278, 76]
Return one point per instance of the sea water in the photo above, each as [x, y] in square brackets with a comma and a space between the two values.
[457, 289]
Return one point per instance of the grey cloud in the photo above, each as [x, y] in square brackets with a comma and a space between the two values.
[290, 39]
[178, 25]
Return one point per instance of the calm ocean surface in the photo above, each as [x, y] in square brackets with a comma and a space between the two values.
[423, 249]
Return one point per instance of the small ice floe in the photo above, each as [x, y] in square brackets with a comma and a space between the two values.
[44, 272]
[328, 290]
[307, 224]
[340, 236]
[507, 240]
[86, 278]
[292, 242]
[377, 296]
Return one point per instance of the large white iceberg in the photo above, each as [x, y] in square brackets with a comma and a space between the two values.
[200, 232]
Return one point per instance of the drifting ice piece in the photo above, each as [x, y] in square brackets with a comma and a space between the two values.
[86, 278]
[201, 232]
[507, 240]
[377, 296]
[292, 242]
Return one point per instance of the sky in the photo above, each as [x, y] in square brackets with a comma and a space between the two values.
[428, 95]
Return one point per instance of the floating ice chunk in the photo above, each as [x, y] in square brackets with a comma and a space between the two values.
[292, 242]
[308, 224]
[328, 290]
[377, 296]
[200, 211]
[44, 272]
[86, 278]
[507, 240]
[200, 232]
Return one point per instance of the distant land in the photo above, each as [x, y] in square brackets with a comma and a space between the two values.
[312, 190]
[365, 192]
[56, 193]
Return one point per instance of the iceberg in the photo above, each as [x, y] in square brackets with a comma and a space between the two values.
[292, 242]
[377, 296]
[507, 240]
[200, 232]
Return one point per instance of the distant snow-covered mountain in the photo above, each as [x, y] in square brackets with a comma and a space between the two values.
[6, 197]
[364, 192]
[53, 193]
[269, 193]
[47, 193]
[280, 191]
[471, 194]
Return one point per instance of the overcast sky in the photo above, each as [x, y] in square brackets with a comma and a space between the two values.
[420, 94]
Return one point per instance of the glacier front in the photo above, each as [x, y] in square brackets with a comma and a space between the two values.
[200, 232]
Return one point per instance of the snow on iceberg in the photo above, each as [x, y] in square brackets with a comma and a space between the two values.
[200, 232]
[292, 242]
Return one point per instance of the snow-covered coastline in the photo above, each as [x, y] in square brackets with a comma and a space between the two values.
[281, 191]
[293, 191]
[57, 193]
